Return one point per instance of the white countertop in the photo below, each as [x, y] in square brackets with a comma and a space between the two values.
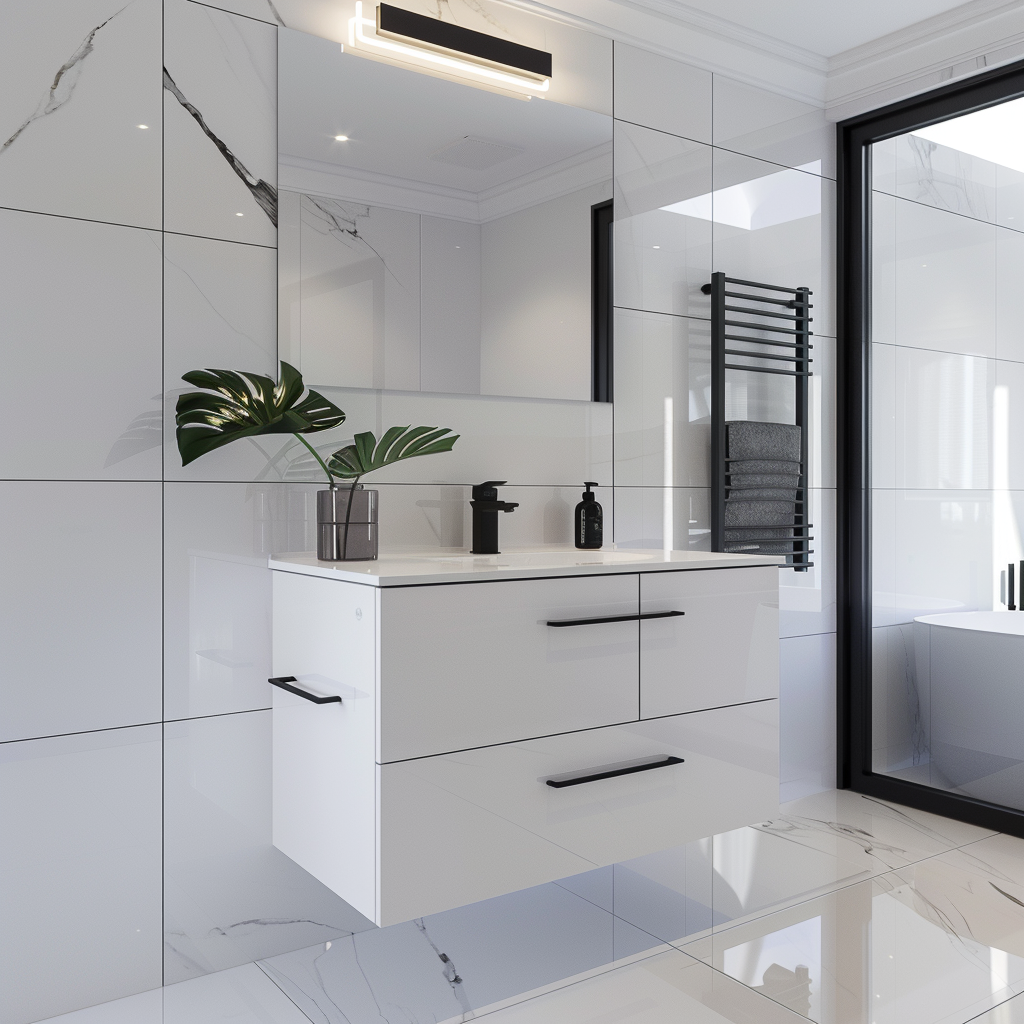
[403, 569]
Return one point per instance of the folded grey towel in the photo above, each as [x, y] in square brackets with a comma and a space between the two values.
[759, 513]
[776, 481]
[781, 466]
[753, 439]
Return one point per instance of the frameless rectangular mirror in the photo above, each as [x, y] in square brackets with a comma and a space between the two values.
[436, 236]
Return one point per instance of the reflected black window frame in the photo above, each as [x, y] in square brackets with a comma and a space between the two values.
[854, 138]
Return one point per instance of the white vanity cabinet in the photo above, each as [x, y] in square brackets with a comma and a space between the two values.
[504, 725]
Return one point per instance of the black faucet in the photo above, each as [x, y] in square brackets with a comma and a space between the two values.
[486, 507]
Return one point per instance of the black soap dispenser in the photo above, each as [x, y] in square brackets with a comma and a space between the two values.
[589, 527]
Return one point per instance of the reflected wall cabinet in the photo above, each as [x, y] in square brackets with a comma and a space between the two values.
[504, 725]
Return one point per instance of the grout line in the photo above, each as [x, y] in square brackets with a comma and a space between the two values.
[214, 238]
[280, 988]
[83, 220]
[234, 14]
[132, 725]
[954, 213]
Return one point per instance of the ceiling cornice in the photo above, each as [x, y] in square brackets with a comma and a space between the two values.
[977, 35]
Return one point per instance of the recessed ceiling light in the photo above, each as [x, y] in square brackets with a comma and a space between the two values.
[656, 247]
[239, 214]
[142, 126]
[341, 138]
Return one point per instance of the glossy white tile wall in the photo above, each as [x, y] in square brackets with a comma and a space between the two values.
[220, 130]
[82, 301]
[80, 858]
[77, 81]
[230, 897]
[665, 154]
[84, 654]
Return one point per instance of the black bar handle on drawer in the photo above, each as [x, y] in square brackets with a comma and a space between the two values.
[613, 770]
[284, 681]
[614, 618]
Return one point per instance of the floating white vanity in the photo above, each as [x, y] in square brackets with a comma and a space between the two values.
[507, 720]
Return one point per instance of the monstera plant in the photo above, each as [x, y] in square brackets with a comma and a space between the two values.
[234, 404]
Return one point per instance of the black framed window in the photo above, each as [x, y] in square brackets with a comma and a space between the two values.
[937, 775]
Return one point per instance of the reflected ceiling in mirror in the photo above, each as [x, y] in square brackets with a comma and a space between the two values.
[435, 236]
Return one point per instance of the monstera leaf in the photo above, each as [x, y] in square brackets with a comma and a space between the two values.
[366, 454]
[247, 404]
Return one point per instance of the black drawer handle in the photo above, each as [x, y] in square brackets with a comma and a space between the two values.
[283, 683]
[614, 618]
[612, 770]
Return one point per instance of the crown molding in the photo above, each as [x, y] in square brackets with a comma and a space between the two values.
[973, 37]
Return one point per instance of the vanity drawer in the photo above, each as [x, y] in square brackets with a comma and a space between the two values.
[465, 665]
[724, 650]
[464, 827]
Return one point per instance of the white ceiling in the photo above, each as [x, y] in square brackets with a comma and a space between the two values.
[825, 27]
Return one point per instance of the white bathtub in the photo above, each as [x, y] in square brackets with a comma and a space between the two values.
[970, 678]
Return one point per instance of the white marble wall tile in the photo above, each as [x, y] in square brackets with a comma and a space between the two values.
[229, 896]
[932, 552]
[449, 964]
[899, 700]
[217, 615]
[772, 127]
[807, 710]
[1009, 268]
[641, 514]
[883, 268]
[883, 166]
[945, 284]
[81, 607]
[660, 93]
[81, 306]
[662, 394]
[261, 10]
[77, 80]
[219, 312]
[1006, 436]
[945, 178]
[942, 404]
[662, 257]
[791, 238]
[524, 441]
[807, 600]
[80, 859]
[220, 124]
[1010, 197]
[883, 415]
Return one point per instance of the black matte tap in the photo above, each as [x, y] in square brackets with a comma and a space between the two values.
[486, 507]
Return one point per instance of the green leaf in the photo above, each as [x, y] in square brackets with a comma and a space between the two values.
[245, 405]
[366, 454]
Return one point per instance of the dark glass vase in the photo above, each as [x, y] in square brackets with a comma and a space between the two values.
[346, 524]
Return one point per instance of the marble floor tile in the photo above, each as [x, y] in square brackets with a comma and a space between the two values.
[668, 988]
[937, 942]
[819, 844]
[454, 963]
[242, 995]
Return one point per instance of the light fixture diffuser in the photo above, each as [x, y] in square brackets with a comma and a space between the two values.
[452, 48]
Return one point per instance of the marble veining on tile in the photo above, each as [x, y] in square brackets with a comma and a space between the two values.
[64, 81]
[262, 191]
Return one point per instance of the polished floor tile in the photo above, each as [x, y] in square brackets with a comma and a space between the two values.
[668, 988]
[821, 843]
[242, 995]
[938, 942]
[456, 962]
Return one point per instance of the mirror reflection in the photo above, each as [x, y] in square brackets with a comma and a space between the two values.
[434, 236]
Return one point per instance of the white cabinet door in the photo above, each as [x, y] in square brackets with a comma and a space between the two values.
[324, 773]
[723, 650]
[464, 827]
[469, 664]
